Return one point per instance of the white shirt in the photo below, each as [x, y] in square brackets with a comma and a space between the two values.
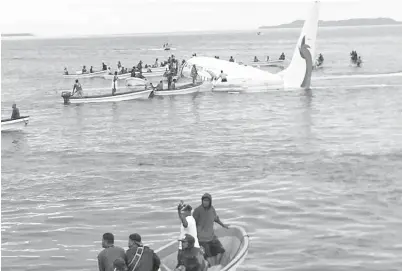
[191, 229]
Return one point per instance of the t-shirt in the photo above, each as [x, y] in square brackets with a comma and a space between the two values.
[107, 256]
[205, 218]
[191, 229]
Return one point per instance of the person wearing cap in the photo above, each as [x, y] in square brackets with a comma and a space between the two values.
[205, 216]
[110, 253]
[16, 112]
[191, 258]
[140, 257]
[187, 226]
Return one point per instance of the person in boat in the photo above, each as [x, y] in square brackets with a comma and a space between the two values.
[223, 77]
[140, 257]
[282, 57]
[231, 59]
[65, 71]
[187, 226]
[139, 66]
[156, 64]
[118, 65]
[16, 112]
[104, 66]
[169, 75]
[84, 69]
[120, 265]
[110, 253]
[320, 58]
[109, 71]
[173, 84]
[91, 70]
[139, 75]
[77, 88]
[358, 61]
[194, 73]
[159, 86]
[256, 59]
[191, 258]
[267, 58]
[133, 72]
[114, 85]
[205, 216]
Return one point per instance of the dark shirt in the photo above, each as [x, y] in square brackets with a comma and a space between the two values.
[107, 256]
[15, 114]
[149, 260]
[204, 219]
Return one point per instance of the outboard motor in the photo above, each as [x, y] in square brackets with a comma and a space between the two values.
[66, 96]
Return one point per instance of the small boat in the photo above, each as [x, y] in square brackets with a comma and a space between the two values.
[153, 74]
[266, 63]
[180, 90]
[117, 97]
[235, 241]
[135, 81]
[85, 75]
[158, 69]
[119, 76]
[15, 124]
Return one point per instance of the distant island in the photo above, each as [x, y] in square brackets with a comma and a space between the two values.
[17, 35]
[350, 22]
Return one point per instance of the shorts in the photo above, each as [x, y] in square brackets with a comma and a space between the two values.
[212, 248]
[224, 80]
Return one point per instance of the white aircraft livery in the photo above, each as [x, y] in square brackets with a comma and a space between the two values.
[296, 75]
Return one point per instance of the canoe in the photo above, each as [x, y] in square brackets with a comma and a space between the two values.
[15, 124]
[119, 96]
[235, 241]
[265, 63]
[158, 69]
[86, 75]
[135, 81]
[153, 74]
[119, 76]
[180, 90]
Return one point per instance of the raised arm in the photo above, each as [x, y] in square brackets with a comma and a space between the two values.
[181, 216]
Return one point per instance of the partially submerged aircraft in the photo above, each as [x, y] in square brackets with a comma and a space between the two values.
[296, 75]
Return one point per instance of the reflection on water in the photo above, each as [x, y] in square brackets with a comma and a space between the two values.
[195, 107]
[13, 141]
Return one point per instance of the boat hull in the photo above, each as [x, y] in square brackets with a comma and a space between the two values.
[134, 81]
[85, 75]
[266, 63]
[153, 74]
[16, 124]
[124, 96]
[119, 76]
[182, 90]
[159, 69]
[235, 241]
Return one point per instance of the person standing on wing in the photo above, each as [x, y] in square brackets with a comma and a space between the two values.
[205, 216]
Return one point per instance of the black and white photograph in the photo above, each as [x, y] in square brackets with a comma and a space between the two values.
[201, 135]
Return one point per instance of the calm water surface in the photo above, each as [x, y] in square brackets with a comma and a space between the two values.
[314, 176]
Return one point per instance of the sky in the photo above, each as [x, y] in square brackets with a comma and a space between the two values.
[105, 17]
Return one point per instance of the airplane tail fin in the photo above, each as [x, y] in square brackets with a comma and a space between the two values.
[298, 73]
